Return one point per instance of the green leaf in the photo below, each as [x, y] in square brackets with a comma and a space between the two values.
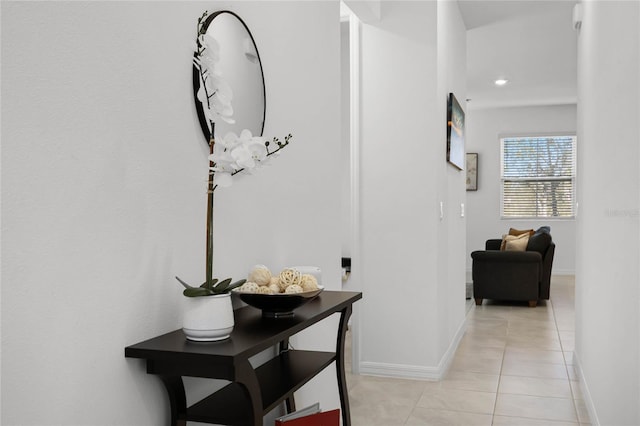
[197, 291]
[214, 287]
[185, 285]
[222, 286]
[209, 285]
[236, 284]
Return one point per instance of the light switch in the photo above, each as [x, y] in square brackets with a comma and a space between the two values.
[441, 210]
[461, 209]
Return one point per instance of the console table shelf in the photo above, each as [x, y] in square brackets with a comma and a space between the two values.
[252, 393]
[278, 378]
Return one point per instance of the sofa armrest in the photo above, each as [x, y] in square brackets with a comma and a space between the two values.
[497, 256]
[506, 275]
[493, 244]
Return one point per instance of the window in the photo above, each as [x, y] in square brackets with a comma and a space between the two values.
[538, 176]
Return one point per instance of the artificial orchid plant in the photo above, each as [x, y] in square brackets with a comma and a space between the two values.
[230, 154]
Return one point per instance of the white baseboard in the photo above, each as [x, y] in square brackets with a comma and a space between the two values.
[563, 271]
[593, 415]
[401, 371]
[416, 372]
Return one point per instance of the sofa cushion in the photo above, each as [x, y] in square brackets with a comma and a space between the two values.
[515, 242]
[513, 231]
[539, 242]
[546, 229]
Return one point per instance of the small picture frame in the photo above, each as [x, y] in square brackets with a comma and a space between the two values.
[472, 171]
[455, 132]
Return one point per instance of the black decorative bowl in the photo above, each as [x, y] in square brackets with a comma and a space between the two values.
[279, 305]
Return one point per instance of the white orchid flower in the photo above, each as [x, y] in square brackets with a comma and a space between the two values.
[202, 95]
[254, 144]
[215, 94]
[222, 179]
[219, 103]
[208, 66]
[211, 47]
[229, 141]
[218, 108]
[221, 108]
[257, 149]
[242, 156]
[243, 139]
[220, 87]
[207, 56]
[222, 159]
[245, 135]
[233, 154]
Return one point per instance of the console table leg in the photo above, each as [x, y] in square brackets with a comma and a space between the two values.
[246, 376]
[342, 380]
[290, 401]
[177, 399]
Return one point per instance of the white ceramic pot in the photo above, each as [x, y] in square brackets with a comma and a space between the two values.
[208, 318]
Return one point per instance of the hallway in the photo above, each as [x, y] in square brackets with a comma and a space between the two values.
[514, 366]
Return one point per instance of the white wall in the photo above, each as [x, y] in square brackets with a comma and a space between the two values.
[452, 77]
[607, 349]
[485, 127]
[103, 185]
[345, 140]
[500, 40]
[411, 262]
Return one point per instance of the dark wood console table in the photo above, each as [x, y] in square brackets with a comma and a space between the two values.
[252, 393]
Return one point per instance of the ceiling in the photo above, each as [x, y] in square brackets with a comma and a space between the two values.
[530, 43]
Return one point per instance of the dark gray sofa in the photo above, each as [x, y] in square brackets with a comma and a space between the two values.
[514, 275]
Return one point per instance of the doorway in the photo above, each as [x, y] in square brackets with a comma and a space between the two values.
[350, 160]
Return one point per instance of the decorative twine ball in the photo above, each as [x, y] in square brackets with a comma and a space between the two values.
[308, 282]
[289, 277]
[264, 289]
[275, 280]
[275, 288]
[293, 288]
[260, 275]
[249, 287]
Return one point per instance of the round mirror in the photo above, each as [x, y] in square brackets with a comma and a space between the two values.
[240, 68]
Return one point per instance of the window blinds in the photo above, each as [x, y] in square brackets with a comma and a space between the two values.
[538, 176]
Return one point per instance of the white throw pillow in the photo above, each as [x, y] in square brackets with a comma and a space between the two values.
[515, 242]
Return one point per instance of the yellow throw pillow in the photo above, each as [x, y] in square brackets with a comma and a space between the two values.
[513, 231]
[515, 242]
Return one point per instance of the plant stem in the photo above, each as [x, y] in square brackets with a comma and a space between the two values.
[210, 187]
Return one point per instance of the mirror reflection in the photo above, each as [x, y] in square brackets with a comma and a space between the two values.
[240, 67]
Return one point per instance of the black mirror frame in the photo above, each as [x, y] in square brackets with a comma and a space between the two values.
[196, 77]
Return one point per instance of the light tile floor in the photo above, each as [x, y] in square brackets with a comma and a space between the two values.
[513, 367]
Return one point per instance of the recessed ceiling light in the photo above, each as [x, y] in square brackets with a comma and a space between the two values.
[501, 82]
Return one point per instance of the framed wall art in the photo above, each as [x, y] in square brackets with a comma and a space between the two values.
[455, 132]
[472, 171]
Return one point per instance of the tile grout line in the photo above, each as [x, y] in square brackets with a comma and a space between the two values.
[514, 321]
[564, 358]
[564, 364]
[504, 352]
